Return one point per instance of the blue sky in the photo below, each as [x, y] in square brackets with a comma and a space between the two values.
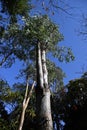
[69, 26]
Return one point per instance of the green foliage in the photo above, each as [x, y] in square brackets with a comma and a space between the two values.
[78, 87]
[18, 40]
[70, 103]
[77, 104]
[4, 89]
[55, 76]
[12, 99]
[42, 29]
[21, 40]
[14, 7]
[16, 113]
[6, 93]
[6, 98]
[36, 29]
[64, 54]
[4, 125]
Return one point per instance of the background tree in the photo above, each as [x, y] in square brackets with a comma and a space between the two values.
[7, 97]
[15, 8]
[71, 105]
[77, 96]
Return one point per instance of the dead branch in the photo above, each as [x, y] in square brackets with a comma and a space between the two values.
[25, 104]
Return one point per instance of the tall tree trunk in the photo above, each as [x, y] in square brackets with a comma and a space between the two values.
[44, 118]
[44, 67]
[39, 66]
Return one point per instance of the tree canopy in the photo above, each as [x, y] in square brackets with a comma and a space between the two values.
[32, 40]
[19, 41]
[71, 105]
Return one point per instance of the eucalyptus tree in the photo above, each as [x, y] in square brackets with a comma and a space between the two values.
[31, 41]
[76, 104]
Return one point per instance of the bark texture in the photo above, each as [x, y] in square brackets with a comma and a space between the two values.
[44, 118]
[39, 66]
[45, 72]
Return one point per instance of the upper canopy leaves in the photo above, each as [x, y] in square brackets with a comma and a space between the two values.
[19, 41]
[24, 37]
[15, 7]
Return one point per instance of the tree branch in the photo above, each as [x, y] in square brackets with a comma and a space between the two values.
[5, 58]
[25, 104]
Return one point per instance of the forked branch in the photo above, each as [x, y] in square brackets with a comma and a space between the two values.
[25, 104]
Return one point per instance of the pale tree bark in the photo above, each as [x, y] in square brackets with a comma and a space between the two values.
[44, 118]
[39, 66]
[44, 67]
[25, 104]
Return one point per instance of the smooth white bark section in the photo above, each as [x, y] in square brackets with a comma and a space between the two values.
[45, 106]
[44, 118]
[45, 112]
[40, 71]
[45, 72]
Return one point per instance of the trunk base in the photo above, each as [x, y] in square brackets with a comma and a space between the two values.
[44, 118]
